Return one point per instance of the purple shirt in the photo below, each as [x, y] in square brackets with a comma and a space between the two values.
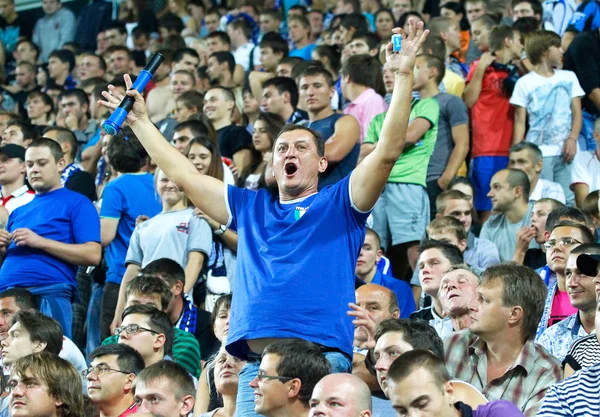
[364, 107]
[499, 408]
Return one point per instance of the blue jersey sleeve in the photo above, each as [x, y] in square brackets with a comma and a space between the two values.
[342, 195]
[85, 222]
[112, 202]
[586, 18]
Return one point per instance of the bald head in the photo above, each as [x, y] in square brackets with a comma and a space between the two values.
[380, 302]
[341, 395]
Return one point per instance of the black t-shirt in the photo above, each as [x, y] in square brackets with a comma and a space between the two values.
[233, 139]
[205, 335]
[583, 58]
[82, 182]
[535, 258]
[11, 32]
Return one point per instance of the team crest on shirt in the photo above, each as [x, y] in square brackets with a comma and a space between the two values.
[299, 212]
[183, 228]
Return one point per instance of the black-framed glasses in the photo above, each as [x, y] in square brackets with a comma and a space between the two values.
[133, 329]
[262, 377]
[564, 242]
[101, 370]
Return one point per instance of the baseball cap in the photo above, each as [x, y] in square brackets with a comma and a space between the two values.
[588, 264]
[13, 151]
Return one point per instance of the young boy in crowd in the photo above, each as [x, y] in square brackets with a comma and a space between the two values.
[489, 87]
[551, 100]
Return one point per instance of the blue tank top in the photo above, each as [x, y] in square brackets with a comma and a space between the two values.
[335, 171]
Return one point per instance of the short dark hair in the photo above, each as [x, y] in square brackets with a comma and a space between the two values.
[590, 203]
[300, 359]
[534, 150]
[301, 8]
[536, 6]
[64, 56]
[241, 23]
[521, 286]
[284, 85]
[437, 63]
[126, 153]
[182, 52]
[78, 93]
[121, 28]
[41, 328]
[588, 237]
[355, 20]
[332, 53]
[64, 135]
[276, 43]
[128, 359]
[147, 284]
[119, 48]
[414, 360]
[181, 380]
[518, 178]
[28, 131]
[24, 299]
[222, 36]
[362, 70]
[32, 45]
[198, 127]
[539, 42]
[171, 23]
[450, 252]
[52, 145]
[158, 321]
[302, 19]
[370, 38]
[526, 25]
[191, 99]
[314, 71]
[434, 45]
[225, 57]
[498, 35]
[167, 269]
[318, 140]
[564, 213]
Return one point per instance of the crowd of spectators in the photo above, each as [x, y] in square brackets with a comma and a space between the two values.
[297, 219]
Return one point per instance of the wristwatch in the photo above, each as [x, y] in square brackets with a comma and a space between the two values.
[222, 229]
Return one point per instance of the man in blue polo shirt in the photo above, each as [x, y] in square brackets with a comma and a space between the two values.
[48, 238]
[297, 250]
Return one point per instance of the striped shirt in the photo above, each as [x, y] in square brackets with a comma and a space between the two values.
[583, 353]
[578, 396]
[525, 383]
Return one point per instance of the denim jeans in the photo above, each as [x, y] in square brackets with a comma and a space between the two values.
[586, 136]
[94, 338]
[555, 169]
[339, 363]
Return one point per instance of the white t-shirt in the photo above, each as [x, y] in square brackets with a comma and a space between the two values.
[548, 104]
[17, 199]
[586, 170]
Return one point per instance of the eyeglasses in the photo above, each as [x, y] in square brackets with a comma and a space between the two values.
[564, 242]
[133, 329]
[262, 376]
[101, 370]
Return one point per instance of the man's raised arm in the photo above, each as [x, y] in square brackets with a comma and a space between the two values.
[371, 175]
[206, 192]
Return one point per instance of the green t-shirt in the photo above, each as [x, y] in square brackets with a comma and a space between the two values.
[186, 350]
[411, 167]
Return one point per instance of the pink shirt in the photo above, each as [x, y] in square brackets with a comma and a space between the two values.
[366, 106]
[561, 307]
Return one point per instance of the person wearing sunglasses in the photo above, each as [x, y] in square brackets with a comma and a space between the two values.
[110, 379]
[148, 330]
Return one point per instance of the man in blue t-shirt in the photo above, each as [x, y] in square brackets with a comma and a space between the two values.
[125, 198]
[48, 238]
[296, 250]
